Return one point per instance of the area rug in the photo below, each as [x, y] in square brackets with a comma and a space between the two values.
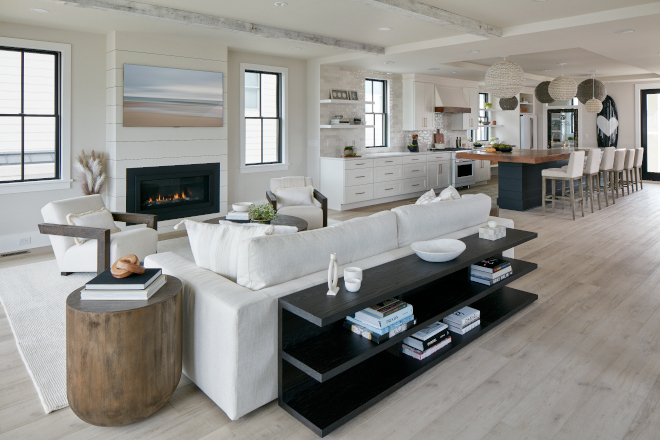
[34, 298]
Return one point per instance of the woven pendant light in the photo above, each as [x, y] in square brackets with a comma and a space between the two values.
[591, 88]
[562, 88]
[509, 103]
[505, 79]
[541, 93]
[594, 105]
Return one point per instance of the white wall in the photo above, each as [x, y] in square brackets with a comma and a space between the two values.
[22, 212]
[253, 186]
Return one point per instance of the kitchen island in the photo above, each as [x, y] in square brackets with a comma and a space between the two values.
[519, 173]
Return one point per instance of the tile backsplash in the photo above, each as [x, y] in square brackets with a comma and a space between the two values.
[345, 78]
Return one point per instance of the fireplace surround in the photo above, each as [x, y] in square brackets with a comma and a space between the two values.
[173, 192]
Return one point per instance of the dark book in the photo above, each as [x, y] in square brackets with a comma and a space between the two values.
[424, 345]
[105, 281]
[491, 265]
[375, 337]
[387, 307]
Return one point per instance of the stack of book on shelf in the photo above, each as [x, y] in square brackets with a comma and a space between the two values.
[136, 287]
[382, 321]
[490, 271]
[463, 320]
[427, 341]
[238, 217]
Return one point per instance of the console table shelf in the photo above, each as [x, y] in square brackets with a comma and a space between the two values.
[328, 375]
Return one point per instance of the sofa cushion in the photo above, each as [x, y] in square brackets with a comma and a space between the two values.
[427, 197]
[267, 261]
[294, 196]
[449, 193]
[425, 222]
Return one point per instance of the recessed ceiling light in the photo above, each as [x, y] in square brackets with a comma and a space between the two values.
[296, 48]
[39, 10]
[435, 68]
[389, 62]
[384, 29]
[453, 71]
[547, 70]
[624, 31]
[473, 51]
[281, 3]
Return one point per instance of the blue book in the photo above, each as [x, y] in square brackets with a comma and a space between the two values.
[385, 321]
[380, 331]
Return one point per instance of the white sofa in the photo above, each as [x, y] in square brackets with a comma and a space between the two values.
[230, 329]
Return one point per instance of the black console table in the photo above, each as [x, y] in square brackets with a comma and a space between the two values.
[327, 375]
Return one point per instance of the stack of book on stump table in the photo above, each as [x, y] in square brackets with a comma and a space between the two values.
[238, 216]
[427, 341]
[463, 320]
[382, 321]
[137, 287]
[490, 271]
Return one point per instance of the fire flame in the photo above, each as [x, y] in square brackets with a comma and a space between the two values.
[169, 198]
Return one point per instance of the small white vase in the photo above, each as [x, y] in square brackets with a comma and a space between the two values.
[332, 275]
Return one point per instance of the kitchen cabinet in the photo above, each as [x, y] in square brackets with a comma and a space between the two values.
[468, 121]
[418, 105]
[481, 171]
[439, 174]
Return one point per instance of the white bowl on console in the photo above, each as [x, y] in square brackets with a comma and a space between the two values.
[241, 206]
[438, 251]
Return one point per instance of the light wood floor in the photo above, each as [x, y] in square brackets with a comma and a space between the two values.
[583, 362]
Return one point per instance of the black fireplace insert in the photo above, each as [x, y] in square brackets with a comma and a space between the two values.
[173, 192]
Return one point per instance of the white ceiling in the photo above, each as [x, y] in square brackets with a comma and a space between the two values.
[537, 34]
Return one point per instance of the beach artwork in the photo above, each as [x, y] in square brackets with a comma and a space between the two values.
[164, 97]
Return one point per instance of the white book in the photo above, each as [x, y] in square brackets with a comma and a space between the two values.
[464, 330]
[429, 331]
[461, 317]
[233, 215]
[124, 295]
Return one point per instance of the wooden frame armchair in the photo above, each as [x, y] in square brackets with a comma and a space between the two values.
[323, 200]
[316, 215]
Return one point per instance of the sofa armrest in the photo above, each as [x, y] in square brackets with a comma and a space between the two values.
[102, 236]
[324, 205]
[272, 199]
[130, 217]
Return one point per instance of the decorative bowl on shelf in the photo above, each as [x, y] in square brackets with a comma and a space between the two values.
[241, 206]
[438, 251]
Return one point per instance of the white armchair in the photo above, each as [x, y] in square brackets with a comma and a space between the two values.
[95, 254]
[316, 215]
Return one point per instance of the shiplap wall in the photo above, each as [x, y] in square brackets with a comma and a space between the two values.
[134, 147]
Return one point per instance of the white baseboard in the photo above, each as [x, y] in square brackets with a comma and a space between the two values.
[9, 243]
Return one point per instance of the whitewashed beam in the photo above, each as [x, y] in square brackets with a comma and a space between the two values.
[215, 22]
[422, 11]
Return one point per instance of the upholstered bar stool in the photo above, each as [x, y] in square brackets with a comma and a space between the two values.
[606, 165]
[617, 171]
[591, 170]
[572, 173]
[639, 160]
[628, 166]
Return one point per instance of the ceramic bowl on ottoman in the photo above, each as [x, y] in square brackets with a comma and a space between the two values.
[438, 251]
[241, 206]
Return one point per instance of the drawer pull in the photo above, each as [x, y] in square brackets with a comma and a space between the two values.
[416, 184]
[415, 171]
[388, 174]
[360, 163]
[359, 177]
[359, 193]
[389, 189]
[389, 161]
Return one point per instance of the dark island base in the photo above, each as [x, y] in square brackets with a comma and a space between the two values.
[520, 184]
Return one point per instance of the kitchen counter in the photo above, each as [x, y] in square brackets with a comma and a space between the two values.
[532, 157]
[398, 153]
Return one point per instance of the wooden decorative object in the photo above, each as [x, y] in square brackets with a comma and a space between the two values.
[126, 266]
[123, 358]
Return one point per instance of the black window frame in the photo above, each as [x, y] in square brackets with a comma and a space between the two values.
[57, 112]
[484, 115]
[278, 117]
[384, 113]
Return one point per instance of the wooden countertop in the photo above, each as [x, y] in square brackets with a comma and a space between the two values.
[520, 156]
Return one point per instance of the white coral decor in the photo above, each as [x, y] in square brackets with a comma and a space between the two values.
[91, 172]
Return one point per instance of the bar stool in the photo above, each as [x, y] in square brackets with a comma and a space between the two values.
[591, 172]
[628, 166]
[606, 165]
[639, 160]
[572, 173]
[617, 170]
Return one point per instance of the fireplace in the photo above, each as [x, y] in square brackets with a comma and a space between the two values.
[173, 192]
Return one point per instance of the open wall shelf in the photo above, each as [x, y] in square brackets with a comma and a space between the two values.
[345, 101]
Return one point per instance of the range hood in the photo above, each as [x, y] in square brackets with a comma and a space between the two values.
[451, 100]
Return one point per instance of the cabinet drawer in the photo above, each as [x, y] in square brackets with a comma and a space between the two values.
[414, 159]
[411, 186]
[438, 156]
[414, 170]
[358, 164]
[358, 177]
[388, 161]
[386, 174]
[360, 193]
[387, 189]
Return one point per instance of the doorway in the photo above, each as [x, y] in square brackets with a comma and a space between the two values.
[650, 106]
[562, 128]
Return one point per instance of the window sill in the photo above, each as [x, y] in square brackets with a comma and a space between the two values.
[22, 187]
[264, 168]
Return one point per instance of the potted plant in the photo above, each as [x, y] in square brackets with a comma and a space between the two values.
[488, 105]
[263, 213]
[493, 141]
[348, 151]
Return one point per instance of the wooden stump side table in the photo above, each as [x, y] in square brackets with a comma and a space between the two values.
[123, 358]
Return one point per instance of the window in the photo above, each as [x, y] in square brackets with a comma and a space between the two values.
[483, 133]
[263, 113]
[375, 114]
[30, 119]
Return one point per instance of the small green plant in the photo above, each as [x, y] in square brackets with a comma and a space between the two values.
[494, 139]
[262, 213]
[488, 105]
[571, 138]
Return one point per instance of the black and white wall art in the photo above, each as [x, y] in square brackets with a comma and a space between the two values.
[607, 123]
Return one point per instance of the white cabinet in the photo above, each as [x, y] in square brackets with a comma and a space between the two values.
[414, 170]
[468, 121]
[387, 189]
[354, 194]
[418, 105]
[358, 177]
[481, 171]
[439, 174]
[389, 173]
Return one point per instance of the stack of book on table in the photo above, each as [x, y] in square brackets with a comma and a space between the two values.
[238, 217]
[490, 271]
[463, 320]
[136, 287]
[382, 321]
[427, 341]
